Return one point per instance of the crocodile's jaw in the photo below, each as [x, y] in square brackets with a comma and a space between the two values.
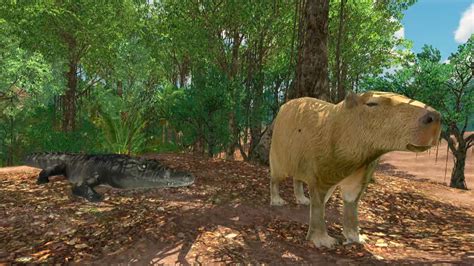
[165, 180]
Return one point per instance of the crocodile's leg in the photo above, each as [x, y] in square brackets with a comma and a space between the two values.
[59, 169]
[86, 191]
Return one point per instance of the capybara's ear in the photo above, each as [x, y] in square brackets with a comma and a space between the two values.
[351, 100]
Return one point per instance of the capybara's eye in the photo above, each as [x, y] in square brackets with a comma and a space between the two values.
[372, 104]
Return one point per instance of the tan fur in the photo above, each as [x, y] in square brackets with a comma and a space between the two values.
[325, 145]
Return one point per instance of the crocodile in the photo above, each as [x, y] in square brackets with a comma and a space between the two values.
[84, 172]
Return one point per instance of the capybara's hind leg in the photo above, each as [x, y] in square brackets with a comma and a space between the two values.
[275, 199]
[299, 192]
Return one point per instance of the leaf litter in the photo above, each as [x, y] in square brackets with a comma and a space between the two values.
[224, 217]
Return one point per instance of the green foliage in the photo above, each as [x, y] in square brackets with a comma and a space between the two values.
[123, 134]
[26, 82]
[429, 54]
[124, 120]
[447, 87]
[201, 111]
[461, 84]
[22, 73]
[40, 133]
[121, 126]
[368, 40]
[173, 75]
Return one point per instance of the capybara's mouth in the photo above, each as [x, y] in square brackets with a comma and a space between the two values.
[416, 148]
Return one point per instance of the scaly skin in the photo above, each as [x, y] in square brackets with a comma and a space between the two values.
[84, 172]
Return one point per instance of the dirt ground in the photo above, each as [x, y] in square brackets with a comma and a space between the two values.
[425, 165]
[225, 217]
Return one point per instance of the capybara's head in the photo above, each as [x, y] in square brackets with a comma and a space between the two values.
[390, 121]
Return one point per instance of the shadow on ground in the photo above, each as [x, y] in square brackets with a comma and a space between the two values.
[223, 217]
[391, 170]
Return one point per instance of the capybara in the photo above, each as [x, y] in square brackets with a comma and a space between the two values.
[326, 145]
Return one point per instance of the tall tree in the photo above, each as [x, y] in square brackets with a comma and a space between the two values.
[267, 66]
[312, 64]
[449, 88]
[69, 34]
[25, 81]
[371, 28]
[458, 108]
[340, 91]
[243, 41]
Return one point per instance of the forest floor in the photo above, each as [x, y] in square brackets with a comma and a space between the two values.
[225, 217]
[434, 165]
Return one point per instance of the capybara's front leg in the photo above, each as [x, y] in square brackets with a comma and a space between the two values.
[352, 188]
[351, 223]
[317, 232]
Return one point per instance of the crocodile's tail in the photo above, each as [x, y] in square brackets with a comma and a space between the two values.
[44, 160]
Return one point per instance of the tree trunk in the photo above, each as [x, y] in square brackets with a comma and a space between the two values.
[312, 67]
[11, 149]
[261, 152]
[198, 146]
[69, 100]
[120, 88]
[341, 93]
[211, 143]
[258, 87]
[341, 83]
[183, 71]
[70, 97]
[255, 126]
[459, 153]
[229, 155]
[232, 124]
[457, 176]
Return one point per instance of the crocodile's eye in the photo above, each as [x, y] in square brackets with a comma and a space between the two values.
[142, 167]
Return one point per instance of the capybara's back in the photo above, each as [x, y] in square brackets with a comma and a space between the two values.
[296, 132]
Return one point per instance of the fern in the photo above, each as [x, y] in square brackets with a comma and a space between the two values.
[123, 131]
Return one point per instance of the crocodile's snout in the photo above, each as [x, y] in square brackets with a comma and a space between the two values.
[183, 178]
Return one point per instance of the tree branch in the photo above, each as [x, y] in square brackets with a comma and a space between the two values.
[89, 86]
[465, 125]
[469, 140]
[445, 135]
[242, 152]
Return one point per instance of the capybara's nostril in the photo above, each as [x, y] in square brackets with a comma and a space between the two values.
[430, 117]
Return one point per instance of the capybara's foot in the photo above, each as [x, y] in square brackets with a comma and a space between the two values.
[323, 241]
[277, 201]
[302, 201]
[355, 238]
